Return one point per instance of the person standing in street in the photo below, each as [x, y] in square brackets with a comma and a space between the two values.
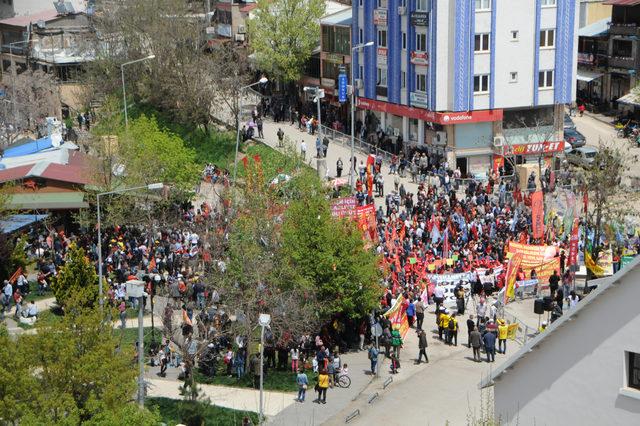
[475, 341]
[260, 129]
[471, 325]
[422, 345]
[490, 346]
[303, 150]
[396, 341]
[323, 384]
[419, 314]
[319, 147]
[339, 167]
[280, 137]
[503, 330]
[452, 331]
[303, 382]
[373, 357]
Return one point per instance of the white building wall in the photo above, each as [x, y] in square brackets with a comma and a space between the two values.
[444, 68]
[574, 376]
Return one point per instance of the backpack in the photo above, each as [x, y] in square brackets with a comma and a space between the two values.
[452, 324]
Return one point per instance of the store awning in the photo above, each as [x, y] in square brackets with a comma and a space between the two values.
[596, 29]
[47, 201]
[584, 75]
[18, 221]
[630, 99]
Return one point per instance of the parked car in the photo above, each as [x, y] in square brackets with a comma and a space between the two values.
[568, 122]
[574, 138]
[583, 157]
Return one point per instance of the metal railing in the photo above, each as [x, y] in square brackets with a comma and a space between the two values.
[358, 144]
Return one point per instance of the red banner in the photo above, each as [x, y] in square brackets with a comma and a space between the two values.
[344, 207]
[445, 118]
[547, 147]
[498, 161]
[573, 244]
[537, 214]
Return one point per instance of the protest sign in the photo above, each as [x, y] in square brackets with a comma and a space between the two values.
[398, 316]
[540, 258]
[344, 207]
[537, 214]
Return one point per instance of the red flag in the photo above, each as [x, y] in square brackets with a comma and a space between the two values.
[15, 275]
[573, 244]
[245, 162]
[537, 214]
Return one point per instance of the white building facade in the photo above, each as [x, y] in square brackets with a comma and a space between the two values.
[454, 74]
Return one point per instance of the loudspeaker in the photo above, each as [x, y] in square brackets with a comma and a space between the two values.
[538, 306]
[548, 303]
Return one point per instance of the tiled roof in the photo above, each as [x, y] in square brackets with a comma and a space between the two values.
[23, 21]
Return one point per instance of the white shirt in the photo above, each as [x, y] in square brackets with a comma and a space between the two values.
[303, 147]
[438, 292]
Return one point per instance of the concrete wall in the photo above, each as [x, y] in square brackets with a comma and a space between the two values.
[574, 376]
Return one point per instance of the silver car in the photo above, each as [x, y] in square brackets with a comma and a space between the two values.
[583, 156]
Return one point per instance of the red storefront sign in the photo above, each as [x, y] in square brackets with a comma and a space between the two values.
[445, 118]
[419, 58]
[535, 148]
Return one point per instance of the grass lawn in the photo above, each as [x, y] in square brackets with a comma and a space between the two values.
[33, 292]
[169, 410]
[281, 381]
[129, 336]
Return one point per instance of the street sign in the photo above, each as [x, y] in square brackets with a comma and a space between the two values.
[342, 88]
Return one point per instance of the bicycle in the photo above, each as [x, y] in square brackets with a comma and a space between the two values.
[343, 381]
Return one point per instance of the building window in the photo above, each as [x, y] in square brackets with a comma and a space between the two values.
[360, 35]
[382, 77]
[515, 35]
[545, 79]
[481, 83]
[481, 43]
[421, 5]
[421, 82]
[421, 42]
[548, 3]
[382, 38]
[403, 79]
[382, 4]
[360, 2]
[547, 38]
[361, 72]
[483, 4]
[513, 77]
[633, 371]
[404, 41]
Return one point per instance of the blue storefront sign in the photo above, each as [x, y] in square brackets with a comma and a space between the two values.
[342, 87]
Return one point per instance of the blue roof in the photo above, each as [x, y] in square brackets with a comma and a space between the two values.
[17, 221]
[27, 148]
[596, 29]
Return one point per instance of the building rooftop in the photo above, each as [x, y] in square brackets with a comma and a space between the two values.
[622, 2]
[603, 285]
[23, 21]
[596, 29]
[342, 17]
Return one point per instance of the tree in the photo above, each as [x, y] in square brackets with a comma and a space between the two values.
[69, 373]
[331, 255]
[77, 280]
[150, 154]
[36, 97]
[283, 34]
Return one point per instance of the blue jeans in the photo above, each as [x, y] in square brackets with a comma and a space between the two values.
[301, 393]
[240, 369]
[201, 300]
[374, 362]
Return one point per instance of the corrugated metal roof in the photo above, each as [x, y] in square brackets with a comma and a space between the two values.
[8, 175]
[47, 201]
[18, 221]
[596, 29]
[602, 283]
[339, 18]
[65, 173]
[23, 21]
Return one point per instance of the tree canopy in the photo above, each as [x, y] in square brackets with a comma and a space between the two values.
[76, 280]
[69, 373]
[283, 34]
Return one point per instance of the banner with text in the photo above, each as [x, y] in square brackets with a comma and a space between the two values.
[398, 316]
[540, 258]
[537, 214]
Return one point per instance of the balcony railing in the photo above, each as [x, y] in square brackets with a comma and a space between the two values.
[624, 29]
[622, 62]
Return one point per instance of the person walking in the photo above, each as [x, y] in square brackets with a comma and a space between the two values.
[260, 128]
[339, 167]
[295, 356]
[373, 357]
[503, 330]
[323, 384]
[490, 346]
[475, 341]
[303, 382]
[422, 345]
[452, 331]
[396, 341]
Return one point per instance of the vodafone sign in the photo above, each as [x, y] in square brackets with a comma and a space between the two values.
[444, 118]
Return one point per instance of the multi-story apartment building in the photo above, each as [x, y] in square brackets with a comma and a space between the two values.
[477, 79]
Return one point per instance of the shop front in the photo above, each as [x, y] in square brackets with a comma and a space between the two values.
[473, 148]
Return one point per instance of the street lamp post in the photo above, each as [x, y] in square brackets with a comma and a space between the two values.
[124, 93]
[135, 289]
[264, 320]
[354, 50]
[13, 81]
[152, 186]
[263, 80]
